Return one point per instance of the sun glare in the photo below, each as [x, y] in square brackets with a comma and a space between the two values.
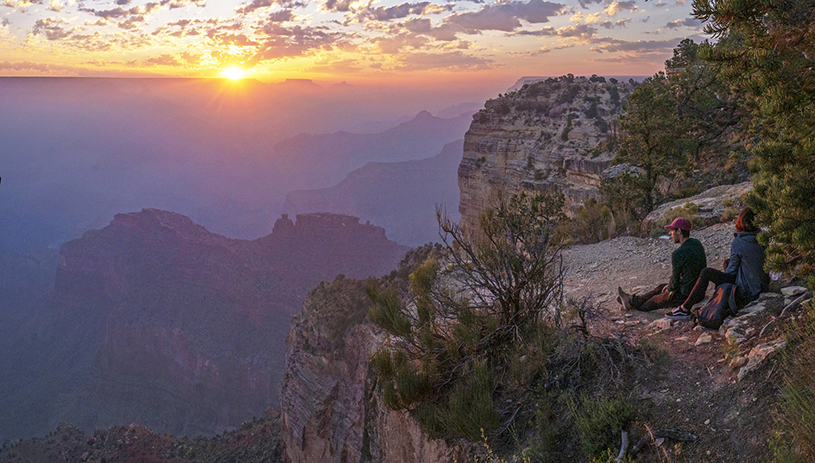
[233, 73]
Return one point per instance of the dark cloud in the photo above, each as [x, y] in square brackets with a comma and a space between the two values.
[403, 10]
[338, 5]
[418, 25]
[281, 16]
[131, 17]
[586, 3]
[52, 28]
[255, 5]
[505, 16]
[687, 22]
[122, 2]
[5, 22]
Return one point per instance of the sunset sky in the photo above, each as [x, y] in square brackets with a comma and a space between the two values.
[333, 40]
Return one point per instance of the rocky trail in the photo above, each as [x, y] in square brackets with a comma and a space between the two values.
[719, 386]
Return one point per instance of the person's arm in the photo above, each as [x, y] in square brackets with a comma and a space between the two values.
[676, 265]
[735, 259]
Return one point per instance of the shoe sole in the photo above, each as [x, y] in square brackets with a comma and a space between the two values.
[624, 299]
[680, 318]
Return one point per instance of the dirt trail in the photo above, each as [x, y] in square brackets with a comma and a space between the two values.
[693, 389]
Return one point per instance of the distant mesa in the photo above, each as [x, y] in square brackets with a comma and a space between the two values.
[306, 84]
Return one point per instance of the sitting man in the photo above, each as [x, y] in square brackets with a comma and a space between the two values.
[687, 261]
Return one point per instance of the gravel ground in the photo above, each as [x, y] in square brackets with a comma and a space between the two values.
[636, 264]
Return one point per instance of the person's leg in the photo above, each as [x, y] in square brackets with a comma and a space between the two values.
[659, 301]
[638, 300]
[708, 275]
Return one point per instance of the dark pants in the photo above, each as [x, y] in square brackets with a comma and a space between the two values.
[655, 299]
[708, 275]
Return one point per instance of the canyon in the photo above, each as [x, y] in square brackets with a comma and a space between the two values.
[155, 320]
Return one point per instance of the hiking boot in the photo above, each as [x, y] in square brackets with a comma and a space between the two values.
[624, 299]
[679, 314]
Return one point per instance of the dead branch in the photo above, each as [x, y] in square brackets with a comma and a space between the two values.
[623, 447]
[792, 305]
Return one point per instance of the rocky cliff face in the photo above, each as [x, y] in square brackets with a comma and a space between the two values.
[549, 136]
[155, 320]
[331, 410]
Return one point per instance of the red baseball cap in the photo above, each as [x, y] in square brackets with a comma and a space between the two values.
[680, 223]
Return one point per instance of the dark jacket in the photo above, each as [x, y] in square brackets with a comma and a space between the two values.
[747, 264]
[687, 261]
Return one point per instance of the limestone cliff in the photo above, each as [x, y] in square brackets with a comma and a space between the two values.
[552, 135]
[331, 410]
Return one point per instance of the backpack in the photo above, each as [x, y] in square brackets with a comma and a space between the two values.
[721, 305]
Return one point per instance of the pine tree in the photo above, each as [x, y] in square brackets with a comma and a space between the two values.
[767, 48]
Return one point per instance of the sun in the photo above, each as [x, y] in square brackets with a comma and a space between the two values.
[233, 73]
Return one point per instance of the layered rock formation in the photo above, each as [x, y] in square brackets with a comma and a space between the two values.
[548, 136]
[400, 196]
[331, 409]
[155, 320]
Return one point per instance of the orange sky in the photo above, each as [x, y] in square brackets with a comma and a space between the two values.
[359, 41]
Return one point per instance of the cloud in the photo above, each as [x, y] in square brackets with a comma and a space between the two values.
[613, 24]
[167, 59]
[281, 16]
[42, 68]
[617, 6]
[639, 46]
[55, 5]
[448, 61]
[287, 42]
[505, 16]
[131, 17]
[52, 27]
[403, 10]
[579, 17]
[687, 22]
[21, 5]
[247, 8]
[583, 32]
[338, 5]
[391, 45]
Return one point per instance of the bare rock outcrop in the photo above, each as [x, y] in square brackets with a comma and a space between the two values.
[718, 204]
[548, 136]
[331, 410]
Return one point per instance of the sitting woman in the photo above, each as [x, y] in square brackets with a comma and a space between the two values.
[745, 269]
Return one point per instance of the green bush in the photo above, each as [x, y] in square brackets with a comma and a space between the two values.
[592, 223]
[795, 426]
[601, 422]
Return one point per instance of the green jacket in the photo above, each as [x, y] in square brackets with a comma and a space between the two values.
[687, 262]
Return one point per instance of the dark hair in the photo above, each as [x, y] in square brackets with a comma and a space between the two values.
[744, 223]
[685, 233]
